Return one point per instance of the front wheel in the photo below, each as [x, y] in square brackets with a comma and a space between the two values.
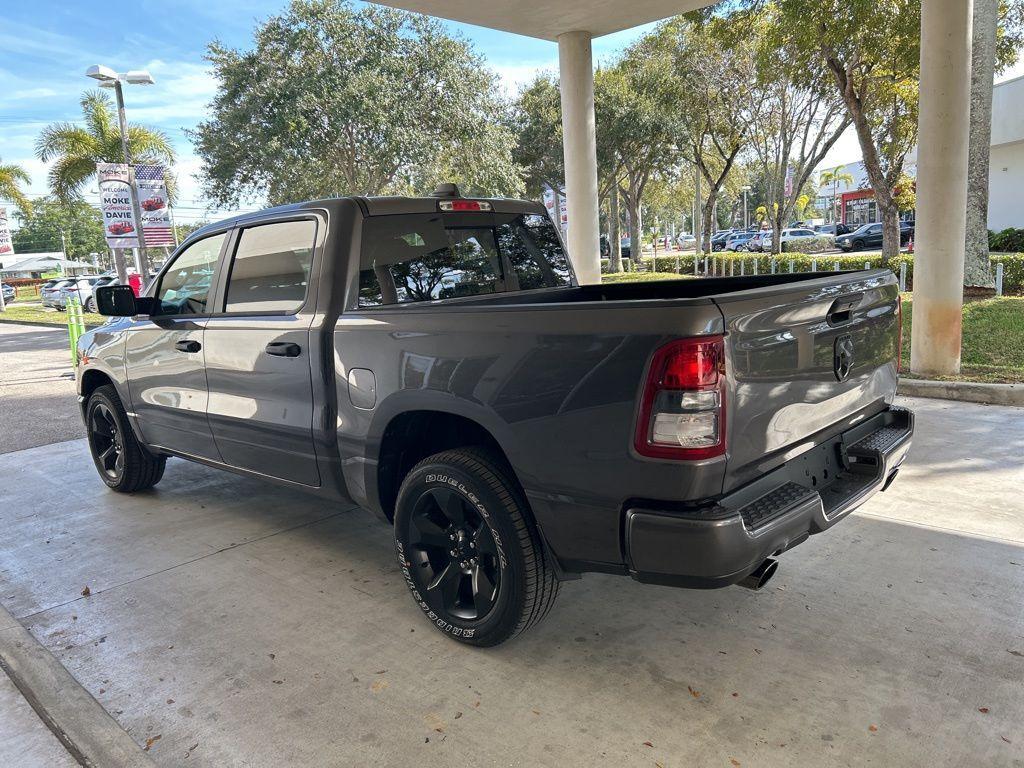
[123, 463]
[469, 551]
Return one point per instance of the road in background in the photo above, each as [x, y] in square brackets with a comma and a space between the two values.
[37, 391]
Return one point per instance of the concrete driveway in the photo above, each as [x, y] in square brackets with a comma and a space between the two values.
[235, 623]
[37, 387]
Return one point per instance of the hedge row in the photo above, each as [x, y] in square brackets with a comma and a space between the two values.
[1011, 240]
[1013, 264]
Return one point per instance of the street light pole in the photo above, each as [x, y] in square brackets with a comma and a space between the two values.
[108, 78]
[746, 221]
[141, 263]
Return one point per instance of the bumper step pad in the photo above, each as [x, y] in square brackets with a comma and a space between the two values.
[774, 504]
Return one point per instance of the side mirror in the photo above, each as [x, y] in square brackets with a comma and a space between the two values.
[120, 301]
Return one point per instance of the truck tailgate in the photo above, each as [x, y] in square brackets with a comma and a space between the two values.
[803, 359]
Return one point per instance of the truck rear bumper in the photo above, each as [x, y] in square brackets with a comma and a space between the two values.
[719, 544]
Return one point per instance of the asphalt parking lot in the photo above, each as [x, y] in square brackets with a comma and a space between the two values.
[234, 623]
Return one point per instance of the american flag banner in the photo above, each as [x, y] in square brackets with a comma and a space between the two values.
[156, 217]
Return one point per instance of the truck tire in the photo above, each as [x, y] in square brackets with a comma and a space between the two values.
[123, 463]
[469, 550]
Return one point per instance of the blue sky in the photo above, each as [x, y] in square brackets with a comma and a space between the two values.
[46, 46]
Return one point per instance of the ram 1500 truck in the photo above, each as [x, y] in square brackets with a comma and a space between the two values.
[434, 360]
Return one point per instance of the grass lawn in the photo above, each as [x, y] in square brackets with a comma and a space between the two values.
[33, 313]
[993, 340]
[642, 277]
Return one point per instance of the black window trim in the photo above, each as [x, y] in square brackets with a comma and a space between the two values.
[228, 263]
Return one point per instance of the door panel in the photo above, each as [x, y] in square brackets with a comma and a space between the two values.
[257, 356]
[168, 385]
[261, 404]
[164, 356]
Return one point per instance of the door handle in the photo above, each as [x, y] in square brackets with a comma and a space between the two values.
[842, 308]
[283, 349]
[188, 345]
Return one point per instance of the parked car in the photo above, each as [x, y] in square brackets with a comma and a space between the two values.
[488, 409]
[870, 236]
[719, 239]
[789, 235]
[83, 289]
[737, 241]
[687, 242]
[831, 229]
[761, 241]
[9, 292]
[49, 292]
[624, 247]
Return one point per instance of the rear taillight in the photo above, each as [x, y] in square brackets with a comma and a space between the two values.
[899, 333]
[464, 205]
[682, 413]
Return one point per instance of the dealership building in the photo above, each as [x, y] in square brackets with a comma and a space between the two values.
[853, 203]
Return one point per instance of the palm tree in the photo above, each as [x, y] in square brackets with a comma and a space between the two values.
[76, 149]
[11, 178]
[833, 177]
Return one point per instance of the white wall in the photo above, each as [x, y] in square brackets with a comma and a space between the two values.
[1006, 183]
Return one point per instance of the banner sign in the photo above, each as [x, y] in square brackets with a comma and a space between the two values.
[6, 246]
[156, 213]
[119, 225]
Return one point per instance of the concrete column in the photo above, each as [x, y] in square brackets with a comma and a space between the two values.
[943, 129]
[576, 75]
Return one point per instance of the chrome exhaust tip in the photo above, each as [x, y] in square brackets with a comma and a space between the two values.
[760, 576]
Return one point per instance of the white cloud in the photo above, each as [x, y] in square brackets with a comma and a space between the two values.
[512, 77]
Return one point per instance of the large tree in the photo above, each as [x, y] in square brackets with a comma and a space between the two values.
[536, 120]
[334, 100]
[74, 226]
[871, 52]
[712, 90]
[75, 149]
[799, 118]
[12, 178]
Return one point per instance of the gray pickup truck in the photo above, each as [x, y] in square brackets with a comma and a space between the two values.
[434, 360]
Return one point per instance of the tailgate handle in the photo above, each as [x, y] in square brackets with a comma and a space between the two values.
[842, 309]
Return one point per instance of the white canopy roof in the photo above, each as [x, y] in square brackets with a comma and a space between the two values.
[547, 19]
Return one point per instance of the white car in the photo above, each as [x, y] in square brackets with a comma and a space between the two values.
[686, 241]
[795, 234]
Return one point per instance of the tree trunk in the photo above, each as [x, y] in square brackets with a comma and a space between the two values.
[707, 216]
[615, 256]
[635, 242]
[890, 231]
[977, 269]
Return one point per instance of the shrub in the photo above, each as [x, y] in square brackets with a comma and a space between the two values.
[1013, 271]
[815, 244]
[1008, 240]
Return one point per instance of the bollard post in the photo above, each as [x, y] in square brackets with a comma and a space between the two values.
[732, 268]
[867, 265]
[814, 265]
[774, 265]
[835, 267]
[743, 264]
[705, 266]
[903, 277]
[791, 264]
[755, 265]
[999, 278]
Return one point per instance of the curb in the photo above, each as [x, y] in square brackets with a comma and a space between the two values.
[964, 391]
[88, 732]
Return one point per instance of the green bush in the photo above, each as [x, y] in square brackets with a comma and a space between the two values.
[802, 262]
[1010, 240]
[815, 244]
[1013, 271]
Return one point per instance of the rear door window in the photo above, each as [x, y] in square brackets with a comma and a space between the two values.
[270, 270]
[426, 257]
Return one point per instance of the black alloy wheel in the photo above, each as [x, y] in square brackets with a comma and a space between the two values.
[105, 440]
[454, 558]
